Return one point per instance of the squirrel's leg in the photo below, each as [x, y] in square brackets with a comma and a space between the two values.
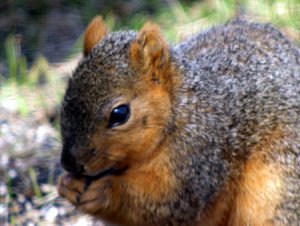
[256, 187]
[261, 185]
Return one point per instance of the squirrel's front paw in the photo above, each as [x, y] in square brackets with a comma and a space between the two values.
[89, 197]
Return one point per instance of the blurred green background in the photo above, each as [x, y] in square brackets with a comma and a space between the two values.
[51, 30]
[40, 45]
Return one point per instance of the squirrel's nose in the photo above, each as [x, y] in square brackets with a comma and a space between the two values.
[69, 162]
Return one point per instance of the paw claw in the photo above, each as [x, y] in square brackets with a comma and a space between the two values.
[78, 199]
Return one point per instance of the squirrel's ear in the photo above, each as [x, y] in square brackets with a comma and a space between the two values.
[95, 32]
[149, 52]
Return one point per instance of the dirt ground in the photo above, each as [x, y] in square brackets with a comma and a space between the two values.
[30, 160]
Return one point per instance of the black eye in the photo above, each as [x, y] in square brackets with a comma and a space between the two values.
[119, 115]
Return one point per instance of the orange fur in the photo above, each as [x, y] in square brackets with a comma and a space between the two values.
[251, 198]
[258, 193]
[156, 173]
[260, 185]
[137, 145]
[94, 33]
[217, 214]
[150, 53]
[151, 99]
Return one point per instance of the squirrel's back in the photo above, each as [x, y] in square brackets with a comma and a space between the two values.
[247, 76]
[248, 72]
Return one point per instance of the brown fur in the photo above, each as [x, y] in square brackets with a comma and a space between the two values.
[258, 193]
[260, 187]
[150, 53]
[93, 34]
[252, 197]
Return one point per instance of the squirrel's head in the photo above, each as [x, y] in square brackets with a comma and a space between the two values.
[117, 104]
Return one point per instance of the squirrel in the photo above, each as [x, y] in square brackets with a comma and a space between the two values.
[201, 133]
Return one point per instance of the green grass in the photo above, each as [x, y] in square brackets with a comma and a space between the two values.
[34, 181]
[180, 19]
[17, 66]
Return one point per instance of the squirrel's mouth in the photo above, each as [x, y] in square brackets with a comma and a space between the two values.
[106, 172]
[101, 174]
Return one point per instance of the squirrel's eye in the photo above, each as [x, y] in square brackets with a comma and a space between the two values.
[119, 115]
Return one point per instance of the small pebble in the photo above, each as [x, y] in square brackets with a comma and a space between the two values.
[62, 211]
[30, 224]
[12, 173]
[82, 221]
[28, 206]
[3, 189]
[3, 209]
[21, 198]
[4, 160]
[51, 214]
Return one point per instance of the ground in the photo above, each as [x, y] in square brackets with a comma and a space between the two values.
[30, 158]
